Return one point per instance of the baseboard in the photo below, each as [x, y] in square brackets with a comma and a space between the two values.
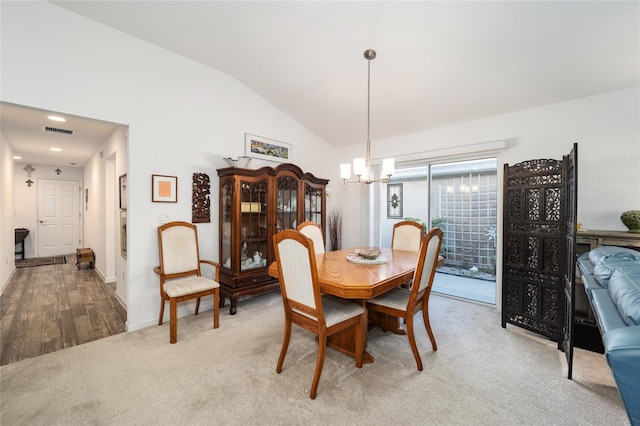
[121, 301]
[6, 283]
[100, 274]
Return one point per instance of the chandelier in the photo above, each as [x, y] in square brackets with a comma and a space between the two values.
[362, 166]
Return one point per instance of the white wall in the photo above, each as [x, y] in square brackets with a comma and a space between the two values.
[26, 198]
[604, 126]
[101, 213]
[7, 235]
[183, 118]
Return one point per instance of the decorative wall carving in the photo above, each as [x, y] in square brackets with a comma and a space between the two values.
[201, 203]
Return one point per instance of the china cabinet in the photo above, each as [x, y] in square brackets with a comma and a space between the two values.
[254, 205]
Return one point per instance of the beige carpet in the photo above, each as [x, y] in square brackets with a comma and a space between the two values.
[481, 374]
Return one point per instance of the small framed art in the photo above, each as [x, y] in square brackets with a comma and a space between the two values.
[164, 189]
[266, 149]
[123, 191]
[123, 233]
[394, 200]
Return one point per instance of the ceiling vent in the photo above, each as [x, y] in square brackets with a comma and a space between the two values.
[56, 130]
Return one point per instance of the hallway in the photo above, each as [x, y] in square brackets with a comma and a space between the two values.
[48, 308]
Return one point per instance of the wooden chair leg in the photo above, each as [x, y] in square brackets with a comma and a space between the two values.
[360, 337]
[216, 309]
[197, 306]
[322, 345]
[427, 325]
[412, 341]
[161, 311]
[173, 321]
[285, 344]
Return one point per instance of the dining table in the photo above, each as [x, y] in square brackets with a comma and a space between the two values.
[343, 274]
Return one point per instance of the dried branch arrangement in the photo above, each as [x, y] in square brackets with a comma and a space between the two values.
[335, 229]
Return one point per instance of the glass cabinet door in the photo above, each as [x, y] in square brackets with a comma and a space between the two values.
[313, 204]
[286, 203]
[226, 204]
[253, 225]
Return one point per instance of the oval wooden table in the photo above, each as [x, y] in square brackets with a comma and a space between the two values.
[342, 278]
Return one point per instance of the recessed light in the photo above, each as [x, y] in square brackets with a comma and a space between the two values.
[56, 118]
[55, 149]
[17, 157]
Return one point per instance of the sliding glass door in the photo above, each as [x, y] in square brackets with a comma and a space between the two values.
[461, 198]
[463, 202]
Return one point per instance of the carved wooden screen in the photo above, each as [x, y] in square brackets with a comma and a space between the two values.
[571, 179]
[534, 247]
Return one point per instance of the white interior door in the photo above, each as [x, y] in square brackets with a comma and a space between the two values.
[58, 217]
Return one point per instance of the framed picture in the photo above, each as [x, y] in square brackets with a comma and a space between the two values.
[164, 189]
[123, 192]
[266, 149]
[394, 200]
[123, 233]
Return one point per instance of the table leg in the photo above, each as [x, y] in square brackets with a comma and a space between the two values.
[386, 323]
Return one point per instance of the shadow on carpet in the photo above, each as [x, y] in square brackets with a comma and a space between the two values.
[40, 261]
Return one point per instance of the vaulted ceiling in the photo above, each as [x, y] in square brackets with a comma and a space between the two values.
[438, 63]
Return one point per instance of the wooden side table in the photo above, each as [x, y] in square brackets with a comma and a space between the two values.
[21, 234]
[85, 255]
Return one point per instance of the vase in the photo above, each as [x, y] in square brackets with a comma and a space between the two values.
[631, 220]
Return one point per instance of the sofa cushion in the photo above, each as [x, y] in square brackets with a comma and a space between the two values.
[590, 283]
[606, 313]
[584, 264]
[624, 289]
[603, 270]
[605, 252]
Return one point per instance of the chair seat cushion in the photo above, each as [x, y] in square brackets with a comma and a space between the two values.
[337, 310]
[397, 298]
[189, 285]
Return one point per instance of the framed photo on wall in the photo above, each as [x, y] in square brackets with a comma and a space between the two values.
[266, 149]
[123, 192]
[123, 233]
[394, 200]
[164, 189]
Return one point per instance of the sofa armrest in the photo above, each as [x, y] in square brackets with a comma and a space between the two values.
[622, 351]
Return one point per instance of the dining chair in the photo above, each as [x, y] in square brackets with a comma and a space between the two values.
[407, 235]
[314, 231]
[405, 303]
[306, 307]
[180, 273]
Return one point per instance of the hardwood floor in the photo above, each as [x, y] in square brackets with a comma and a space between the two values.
[48, 308]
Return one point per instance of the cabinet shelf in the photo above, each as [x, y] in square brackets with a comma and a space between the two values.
[253, 240]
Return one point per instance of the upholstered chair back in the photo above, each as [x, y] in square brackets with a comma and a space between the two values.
[432, 241]
[294, 257]
[179, 250]
[407, 235]
[314, 231]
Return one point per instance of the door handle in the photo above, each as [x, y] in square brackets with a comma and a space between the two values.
[42, 221]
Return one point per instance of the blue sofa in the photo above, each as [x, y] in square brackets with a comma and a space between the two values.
[611, 277]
